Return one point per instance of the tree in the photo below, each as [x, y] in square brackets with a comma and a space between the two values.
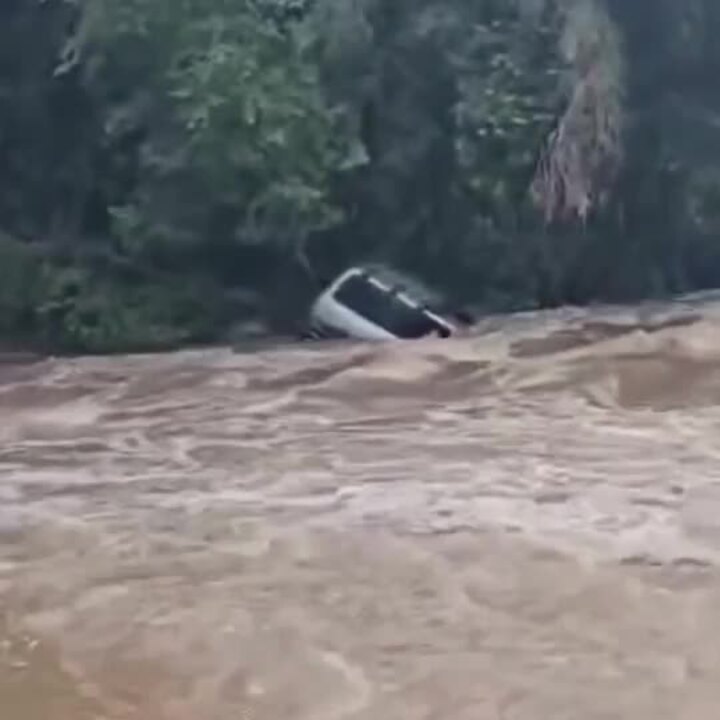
[237, 140]
[157, 155]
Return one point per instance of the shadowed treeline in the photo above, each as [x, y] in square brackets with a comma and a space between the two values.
[169, 171]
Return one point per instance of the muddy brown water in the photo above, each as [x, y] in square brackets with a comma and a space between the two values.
[523, 524]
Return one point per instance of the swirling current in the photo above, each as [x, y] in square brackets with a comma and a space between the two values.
[522, 524]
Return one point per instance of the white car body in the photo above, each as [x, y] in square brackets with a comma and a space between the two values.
[331, 317]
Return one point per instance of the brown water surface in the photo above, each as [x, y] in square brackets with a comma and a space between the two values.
[523, 524]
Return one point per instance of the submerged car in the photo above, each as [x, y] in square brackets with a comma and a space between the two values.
[380, 304]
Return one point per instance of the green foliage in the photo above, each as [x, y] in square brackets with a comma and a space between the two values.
[157, 155]
[20, 287]
[77, 307]
[507, 110]
[86, 312]
[238, 140]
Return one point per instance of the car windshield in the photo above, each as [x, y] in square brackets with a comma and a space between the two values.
[386, 309]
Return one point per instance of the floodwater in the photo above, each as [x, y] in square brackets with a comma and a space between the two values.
[519, 525]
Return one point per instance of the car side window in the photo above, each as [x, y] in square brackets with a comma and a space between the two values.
[384, 308]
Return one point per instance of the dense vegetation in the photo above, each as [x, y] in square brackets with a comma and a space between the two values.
[169, 168]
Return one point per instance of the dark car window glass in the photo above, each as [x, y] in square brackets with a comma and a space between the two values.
[385, 309]
[410, 284]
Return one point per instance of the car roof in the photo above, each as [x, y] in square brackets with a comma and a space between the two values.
[412, 286]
